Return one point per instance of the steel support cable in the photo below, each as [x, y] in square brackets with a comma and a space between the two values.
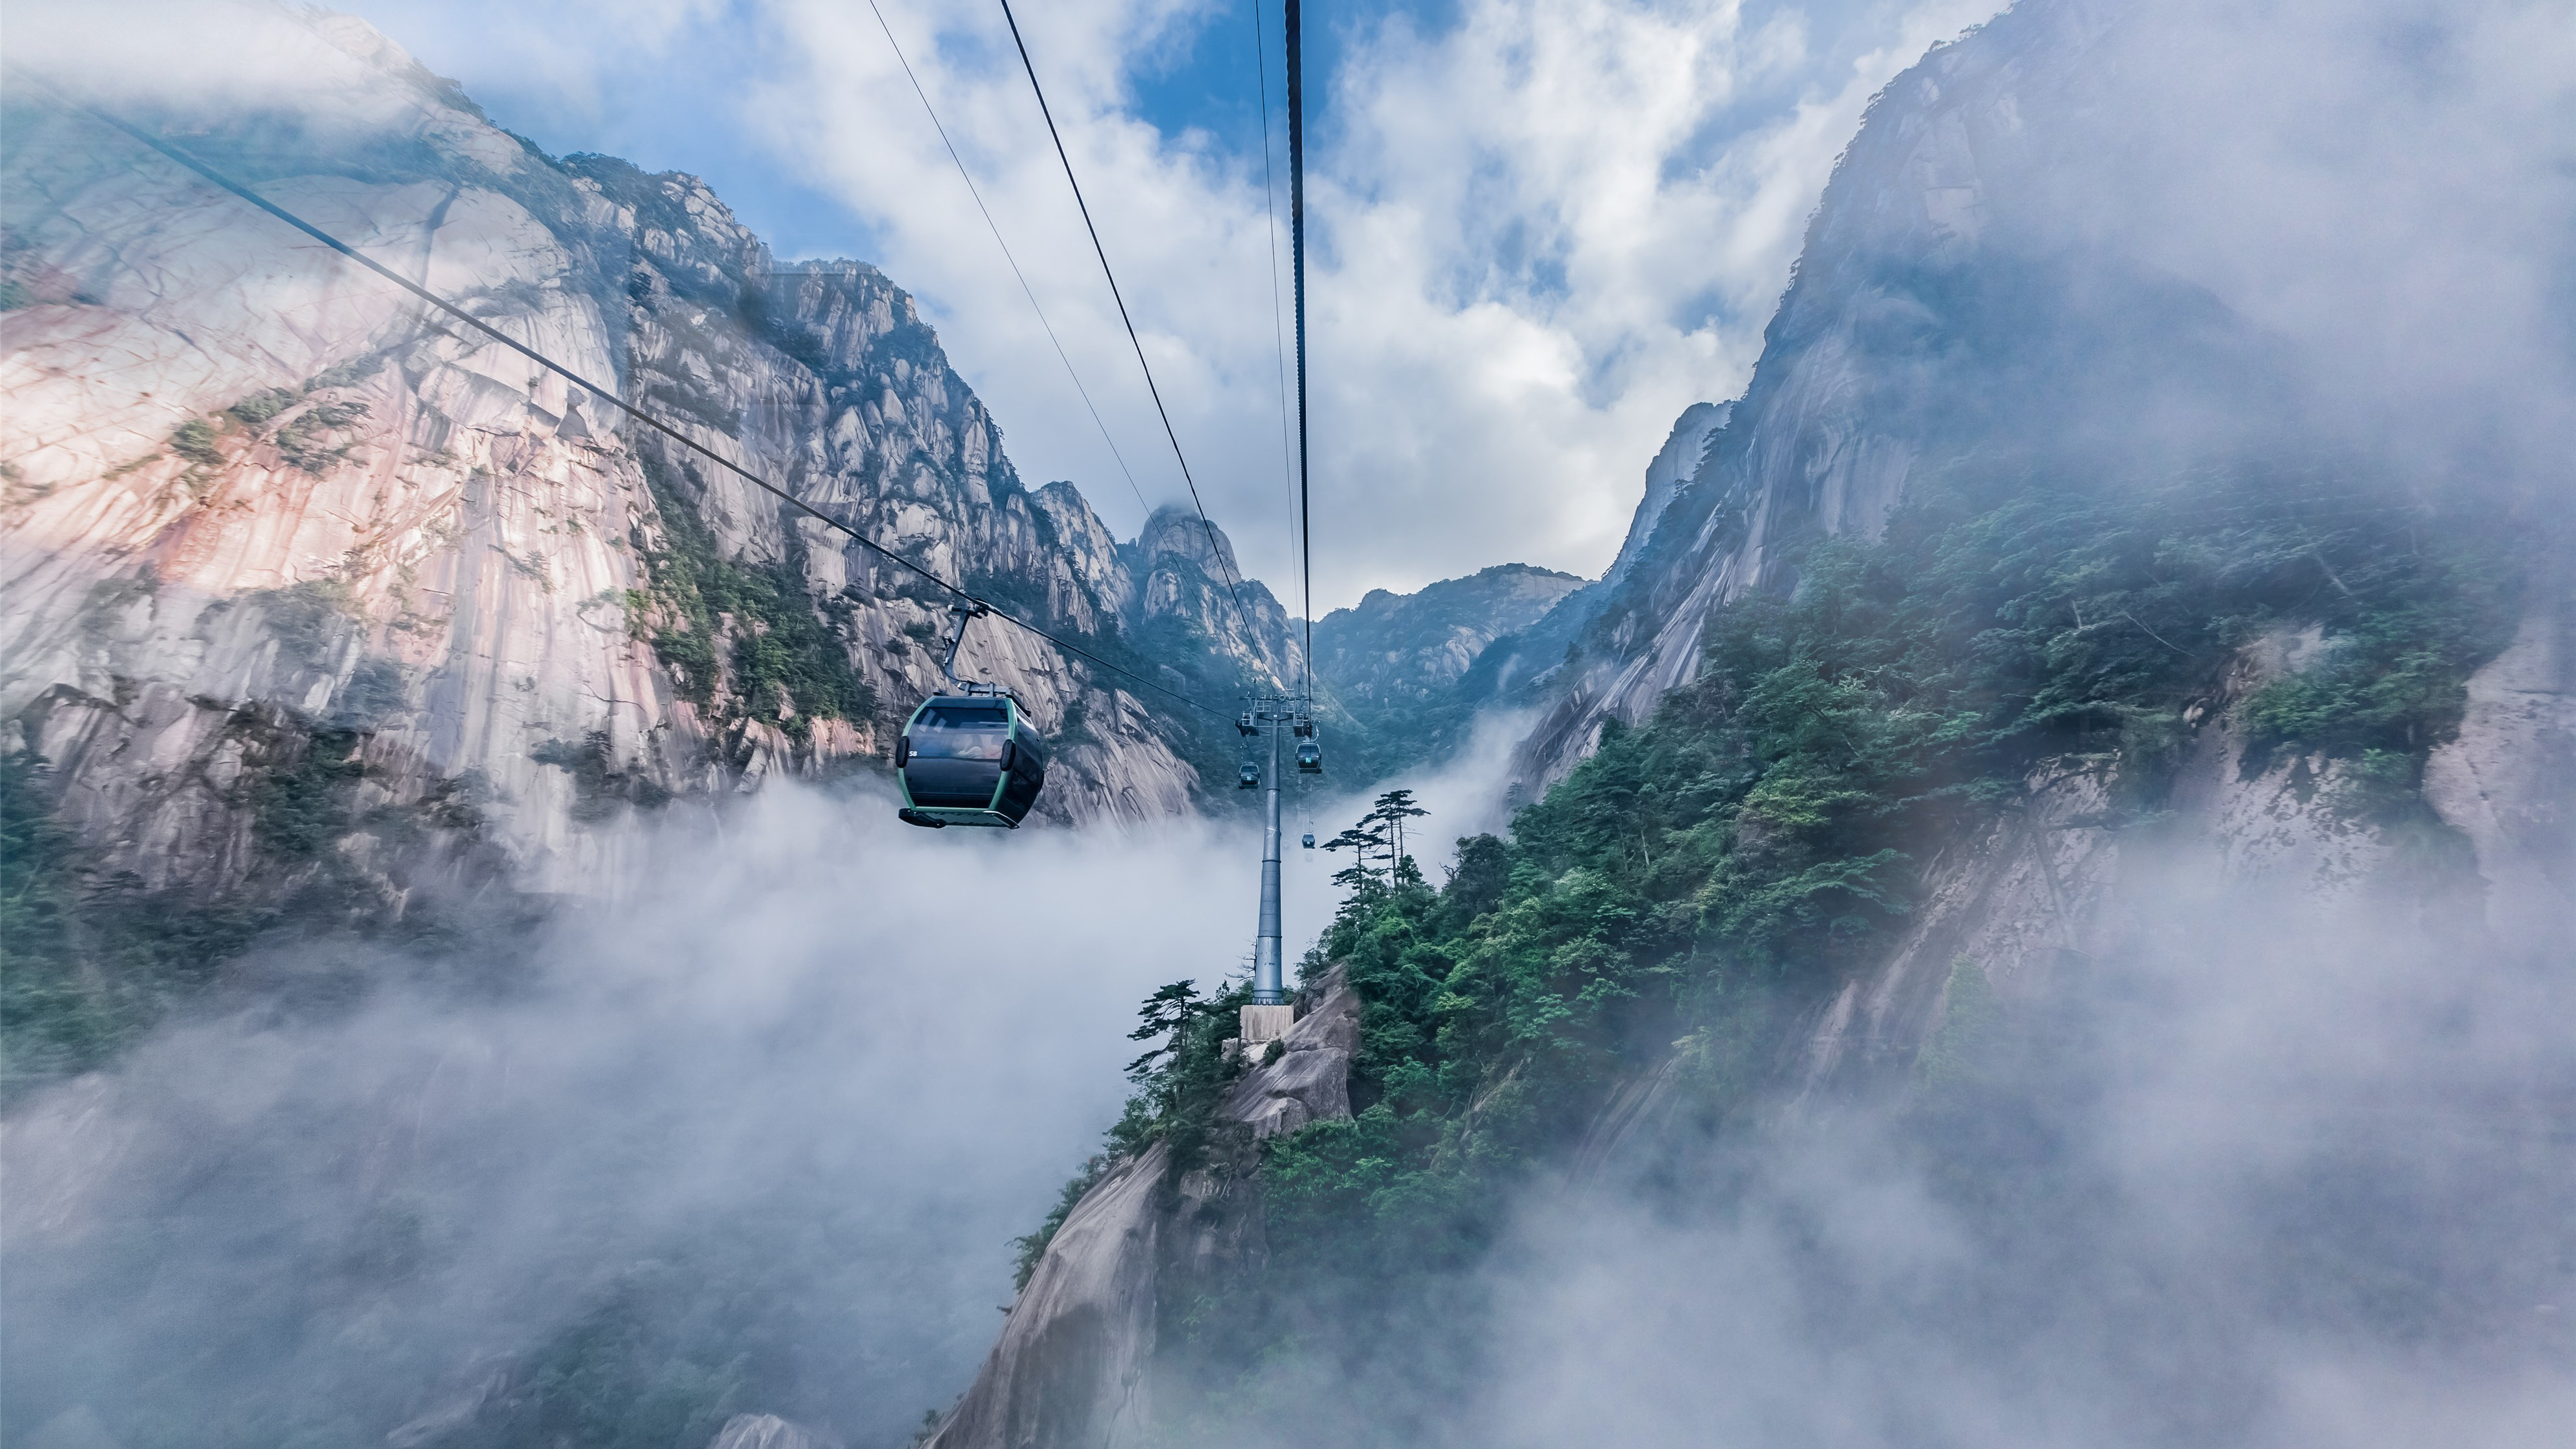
[1025, 289]
[226, 183]
[1279, 335]
[1243, 622]
[1297, 268]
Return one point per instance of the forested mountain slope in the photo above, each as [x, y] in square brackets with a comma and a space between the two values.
[322, 610]
[2058, 836]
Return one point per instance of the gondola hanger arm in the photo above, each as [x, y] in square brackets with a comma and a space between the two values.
[962, 610]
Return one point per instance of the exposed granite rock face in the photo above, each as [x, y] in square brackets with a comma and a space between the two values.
[1071, 1364]
[1308, 1077]
[2067, 880]
[1074, 1364]
[1181, 576]
[1676, 463]
[1934, 297]
[255, 493]
[1941, 305]
[768, 1431]
[2507, 781]
[1391, 649]
[2069, 877]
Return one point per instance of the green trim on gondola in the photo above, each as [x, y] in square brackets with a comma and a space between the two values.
[952, 815]
[1023, 760]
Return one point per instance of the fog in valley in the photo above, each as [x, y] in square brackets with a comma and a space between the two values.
[2237, 1152]
[792, 1093]
[770, 1115]
[2275, 1177]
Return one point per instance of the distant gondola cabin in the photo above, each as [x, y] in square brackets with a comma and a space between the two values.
[970, 759]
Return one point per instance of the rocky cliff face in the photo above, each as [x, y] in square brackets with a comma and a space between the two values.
[1940, 310]
[1076, 1360]
[2064, 881]
[1939, 305]
[1393, 648]
[1948, 303]
[264, 512]
[1676, 464]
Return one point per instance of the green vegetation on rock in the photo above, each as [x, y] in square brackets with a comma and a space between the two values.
[91, 958]
[80, 977]
[1703, 876]
[788, 666]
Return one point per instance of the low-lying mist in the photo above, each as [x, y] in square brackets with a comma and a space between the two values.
[757, 1134]
[2273, 1170]
[2279, 1176]
[1463, 794]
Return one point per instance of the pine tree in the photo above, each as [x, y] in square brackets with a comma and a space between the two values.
[1164, 1014]
[1391, 811]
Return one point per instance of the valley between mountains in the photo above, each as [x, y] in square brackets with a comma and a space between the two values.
[2028, 905]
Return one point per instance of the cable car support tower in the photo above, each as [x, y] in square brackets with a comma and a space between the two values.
[1272, 715]
[1269, 1015]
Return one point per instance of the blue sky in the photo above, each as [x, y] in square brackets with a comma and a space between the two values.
[664, 105]
[1540, 228]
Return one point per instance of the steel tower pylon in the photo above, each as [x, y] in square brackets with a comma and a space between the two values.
[1267, 987]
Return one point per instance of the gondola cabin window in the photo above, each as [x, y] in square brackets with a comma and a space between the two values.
[952, 733]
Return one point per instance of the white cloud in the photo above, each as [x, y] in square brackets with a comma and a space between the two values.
[1537, 233]
[806, 1046]
[1537, 236]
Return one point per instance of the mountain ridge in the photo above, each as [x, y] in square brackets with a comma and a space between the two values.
[324, 609]
[2012, 673]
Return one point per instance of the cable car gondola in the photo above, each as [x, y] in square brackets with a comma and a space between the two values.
[1310, 755]
[970, 758]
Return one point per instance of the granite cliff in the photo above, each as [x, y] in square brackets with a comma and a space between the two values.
[1961, 386]
[1957, 299]
[267, 517]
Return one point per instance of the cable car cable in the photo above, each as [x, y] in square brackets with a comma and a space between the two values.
[226, 183]
[1297, 265]
[1243, 622]
[996, 229]
[1279, 333]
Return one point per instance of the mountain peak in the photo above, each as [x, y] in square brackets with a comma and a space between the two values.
[1177, 532]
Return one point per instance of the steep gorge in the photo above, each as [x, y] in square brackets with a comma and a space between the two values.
[223, 437]
[324, 611]
[2032, 716]
[2041, 919]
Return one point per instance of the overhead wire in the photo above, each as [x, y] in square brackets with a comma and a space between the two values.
[995, 228]
[226, 183]
[1279, 340]
[1297, 267]
[1225, 564]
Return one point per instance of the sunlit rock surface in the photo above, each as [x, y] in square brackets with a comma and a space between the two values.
[254, 492]
[1942, 305]
[1074, 1363]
